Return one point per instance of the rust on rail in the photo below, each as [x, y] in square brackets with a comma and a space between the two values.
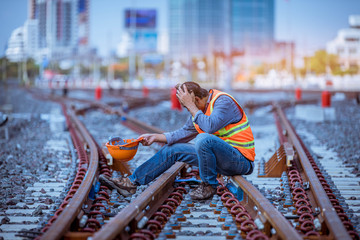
[334, 224]
[274, 217]
[65, 219]
[130, 215]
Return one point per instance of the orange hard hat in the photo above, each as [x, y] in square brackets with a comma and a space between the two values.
[123, 149]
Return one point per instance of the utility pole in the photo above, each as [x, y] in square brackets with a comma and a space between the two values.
[166, 67]
[19, 70]
[110, 71]
[211, 61]
[4, 68]
[227, 47]
[132, 54]
[24, 72]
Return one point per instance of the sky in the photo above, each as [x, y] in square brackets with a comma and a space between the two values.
[310, 23]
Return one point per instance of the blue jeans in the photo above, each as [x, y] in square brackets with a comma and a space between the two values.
[210, 153]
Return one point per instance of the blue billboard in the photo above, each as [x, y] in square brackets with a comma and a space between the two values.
[140, 18]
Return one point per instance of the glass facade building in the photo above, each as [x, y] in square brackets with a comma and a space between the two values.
[199, 27]
[252, 24]
[195, 27]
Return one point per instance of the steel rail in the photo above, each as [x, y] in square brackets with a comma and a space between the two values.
[151, 195]
[65, 219]
[134, 122]
[332, 220]
[282, 226]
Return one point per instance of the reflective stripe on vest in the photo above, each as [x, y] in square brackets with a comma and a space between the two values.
[246, 145]
[234, 130]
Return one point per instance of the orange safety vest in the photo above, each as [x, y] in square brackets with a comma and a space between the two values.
[238, 135]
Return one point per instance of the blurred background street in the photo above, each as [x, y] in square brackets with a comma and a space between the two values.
[225, 44]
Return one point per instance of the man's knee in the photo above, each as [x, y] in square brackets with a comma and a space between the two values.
[202, 140]
[166, 149]
[169, 149]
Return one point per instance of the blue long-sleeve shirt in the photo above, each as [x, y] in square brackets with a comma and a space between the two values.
[225, 112]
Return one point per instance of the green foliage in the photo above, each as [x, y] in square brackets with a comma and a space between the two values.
[122, 74]
[354, 70]
[321, 60]
[85, 70]
[10, 68]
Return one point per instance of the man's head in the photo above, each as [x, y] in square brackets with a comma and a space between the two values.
[193, 87]
[201, 94]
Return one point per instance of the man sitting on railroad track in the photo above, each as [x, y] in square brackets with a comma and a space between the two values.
[224, 143]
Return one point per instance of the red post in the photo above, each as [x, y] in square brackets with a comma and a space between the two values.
[326, 99]
[145, 92]
[98, 93]
[298, 94]
[175, 104]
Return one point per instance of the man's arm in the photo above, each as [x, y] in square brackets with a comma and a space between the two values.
[150, 138]
[184, 134]
[225, 112]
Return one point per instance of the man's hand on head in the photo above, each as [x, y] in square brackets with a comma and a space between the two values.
[187, 99]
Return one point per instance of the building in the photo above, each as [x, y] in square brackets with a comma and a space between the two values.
[196, 27]
[58, 36]
[83, 24]
[55, 29]
[15, 51]
[31, 40]
[200, 27]
[23, 42]
[31, 9]
[252, 26]
[347, 44]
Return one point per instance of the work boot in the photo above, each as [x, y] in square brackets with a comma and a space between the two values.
[122, 184]
[203, 191]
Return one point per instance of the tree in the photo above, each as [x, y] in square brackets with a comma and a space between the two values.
[32, 68]
[321, 60]
[11, 68]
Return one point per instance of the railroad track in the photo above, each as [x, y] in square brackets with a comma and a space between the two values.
[160, 210]
[27, 214]
[294, 206]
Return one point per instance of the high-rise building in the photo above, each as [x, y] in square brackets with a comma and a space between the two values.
[41, 16]
[55, 29]
[199, 27]
[31, 29]
[196, 27]
[252, 24]
[31, 9]
[58, 27]
[83, 23]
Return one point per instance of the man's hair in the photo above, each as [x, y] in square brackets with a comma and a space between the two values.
[195, 88]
